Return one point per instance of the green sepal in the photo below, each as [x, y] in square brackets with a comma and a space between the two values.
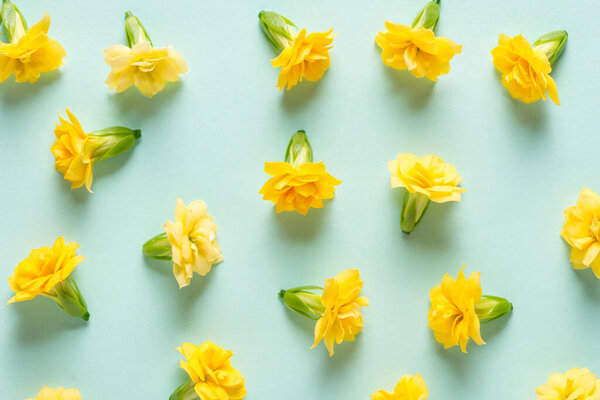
[111, 142]
[13, 21]
[552, 44]
[304, 301]
[490, 308]
[413, 210]
[67, 295]
[185, 392]
[158, 248]
[135, 31]
[428, 16]
[277, 29]
[299, 150]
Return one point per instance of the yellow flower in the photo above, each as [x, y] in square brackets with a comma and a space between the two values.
[410, 387]
[298, 189]
[43, 269]
[69, 153]
[452, 315]
[192, 239]
[57, 394]
[209, 367]
[416, 49]
[576, 384]
[341, 320]
[582, 231]
[31, 54]
[307, 57]
[144, 66]
[525, 70]
[428, 175]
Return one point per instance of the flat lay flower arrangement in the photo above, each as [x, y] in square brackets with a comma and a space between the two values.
[386, 253]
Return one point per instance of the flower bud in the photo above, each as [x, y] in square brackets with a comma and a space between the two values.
[552, 44]
[490, 308]
[67, 295]
[158, 248]
[303, 301]
[413, 209]
[428, 17]
[278, 29]
[135, 31]
[13, 21]
[110, 142]
[185, 392]
[298, 150]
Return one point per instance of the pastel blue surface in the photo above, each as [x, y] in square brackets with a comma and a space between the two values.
[208, 137]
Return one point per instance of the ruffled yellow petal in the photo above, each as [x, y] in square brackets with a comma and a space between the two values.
[575, 384]
[410, 387]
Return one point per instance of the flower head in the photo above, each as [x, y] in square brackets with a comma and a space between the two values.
[209, 368]
[582, 231]
[525, 69]
[57, 394]
[452, 315]
[575, 384]
[341, 320]
[416, 49]
[410, 387]
[192, 238]
[30, 52]
[428, 175]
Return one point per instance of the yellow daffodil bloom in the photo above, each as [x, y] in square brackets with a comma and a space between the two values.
[582, 231]
[57, 394]
[575, 384]
[416, 49]
[410, 387]
[192, 238]
[525, 70]
[428, 175]
[30, 53]
[341, 319]
[452, 315]
[209, 368]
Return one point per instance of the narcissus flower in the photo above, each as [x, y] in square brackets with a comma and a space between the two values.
[337, 308]
[575, 384]
[416, 48]
[189, 241]
[46, 271]
[48, 393]
[141, 64]
[410, 387]
[426, 179]
[76, 151]
[302, 55]
[526, 69]
[582, 231]
[458, 308]
[298, 184]
[29, 52]
[211, 375]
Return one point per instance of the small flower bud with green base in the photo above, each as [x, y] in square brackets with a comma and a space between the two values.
[158, 248]
[13, 21]
[135, 31]
[298, 151]
[413, 210]
[279, 30]
[67, 295]
[304, 301]
[185, 392]
[110, 142]
[490, 308]
[428, 17]
[552, 44]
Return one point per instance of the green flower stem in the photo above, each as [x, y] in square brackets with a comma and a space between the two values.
[299, 150]
[413, 209]
[552, 44]
[158, 248]
[13, 21]
[428, 17]
[185, 392]
[490, 308]
[67, 295]
[304, 301]
[135, 31]
[111, 142]
[279, 30]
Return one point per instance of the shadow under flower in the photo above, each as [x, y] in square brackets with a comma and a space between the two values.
[14, 93]
[303, 227]
[298, 96]
[417, 90]
[588, 281]
[131, 101]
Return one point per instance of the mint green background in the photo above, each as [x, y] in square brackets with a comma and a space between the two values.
[207, 138]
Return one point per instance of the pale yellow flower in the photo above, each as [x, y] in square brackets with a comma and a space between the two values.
[428, 175]
[144, 66]
[525, 71]
[582, 231]
[31, 54]
[575, 384]
[209, 367]
[341, 320]
[192, 238]
[416, 49]
[452, 315]
[410, 387]
[307, 57]
[57, 394]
